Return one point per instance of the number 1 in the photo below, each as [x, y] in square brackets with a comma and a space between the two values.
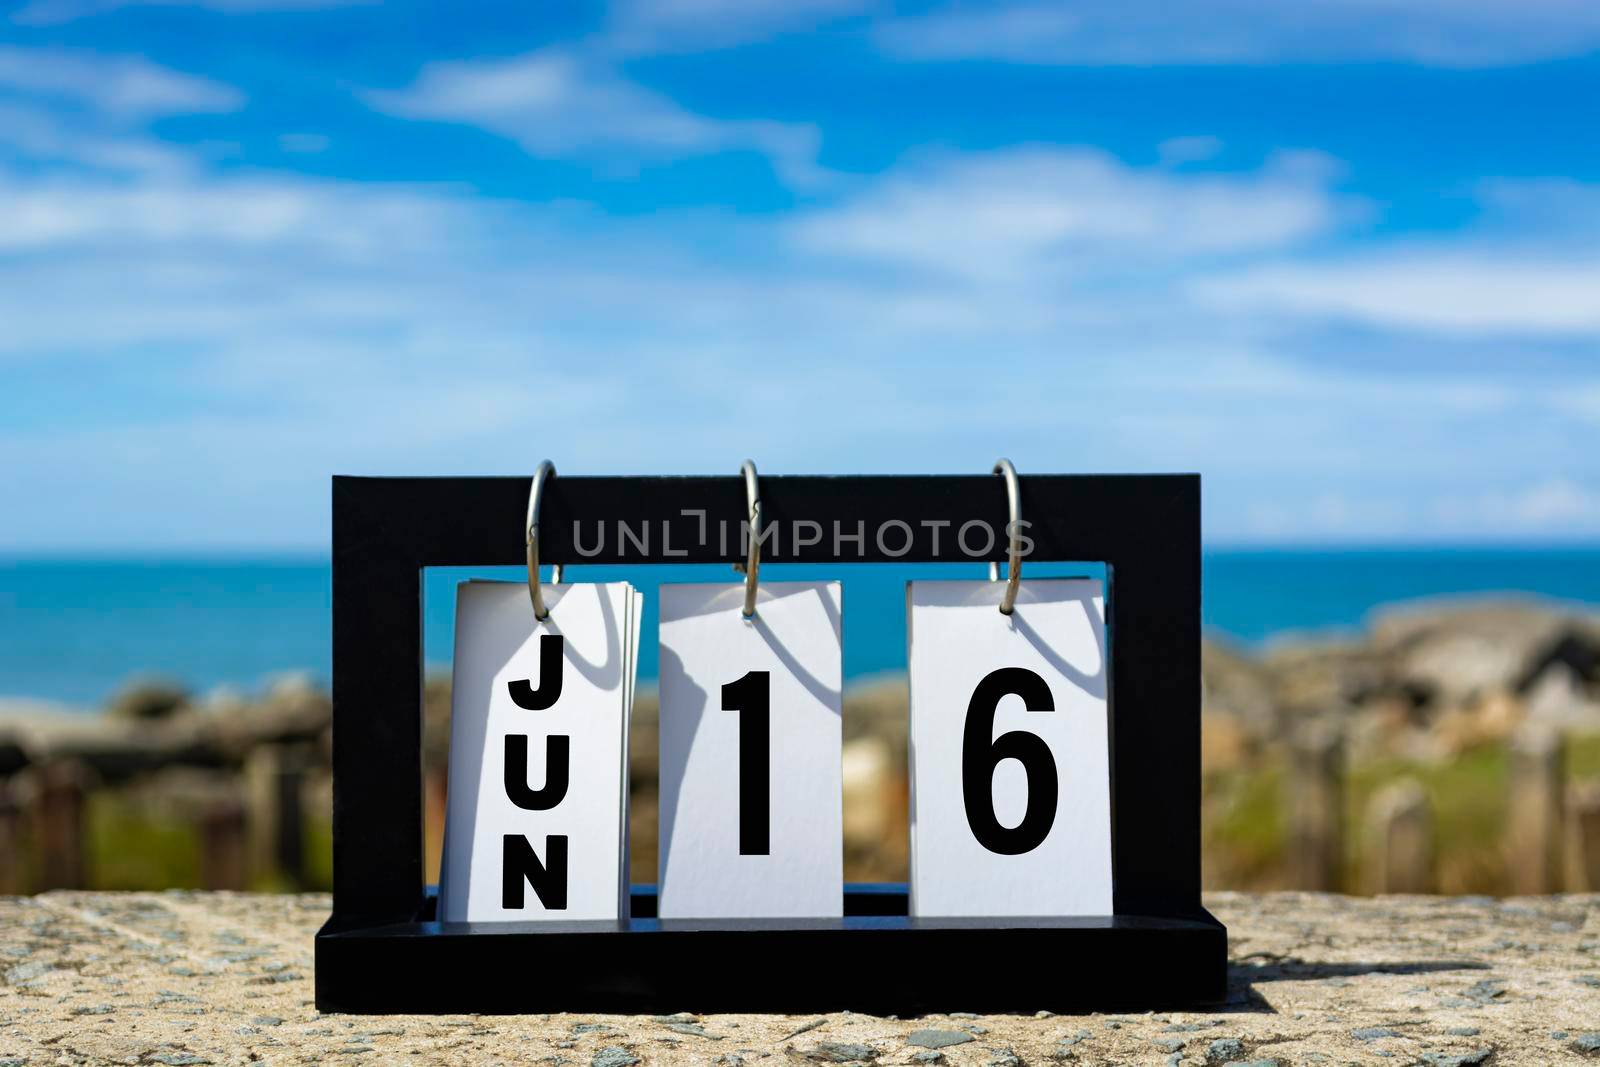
[751, 697]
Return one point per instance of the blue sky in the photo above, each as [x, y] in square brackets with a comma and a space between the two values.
[1340, 257]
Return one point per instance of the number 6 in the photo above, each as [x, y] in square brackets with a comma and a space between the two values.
[980, 756]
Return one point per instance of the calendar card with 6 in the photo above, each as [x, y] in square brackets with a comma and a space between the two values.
[1010, 753]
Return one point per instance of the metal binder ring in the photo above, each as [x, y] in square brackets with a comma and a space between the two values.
[752, 564]
[1013, 537]
[546, 470]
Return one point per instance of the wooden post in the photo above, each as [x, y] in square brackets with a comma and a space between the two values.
[1583, 837]
[59, 815]
[223, 863]
[275, 782]
[1316, 806]
[1535, 824]
[11, 865]
[1399, 840]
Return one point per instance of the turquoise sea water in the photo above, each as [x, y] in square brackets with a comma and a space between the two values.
[73, 630]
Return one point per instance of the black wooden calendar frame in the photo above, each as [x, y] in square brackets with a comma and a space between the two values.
[383, 950]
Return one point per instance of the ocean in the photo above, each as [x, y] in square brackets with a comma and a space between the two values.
[73, 630]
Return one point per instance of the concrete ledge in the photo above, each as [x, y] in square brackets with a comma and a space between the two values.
[190, 978]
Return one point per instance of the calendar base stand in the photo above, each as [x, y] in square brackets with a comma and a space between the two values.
[874, 960]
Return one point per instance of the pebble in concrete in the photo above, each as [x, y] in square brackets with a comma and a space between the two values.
[841, 1052]
[1457, 1059]
[937, 1038]
[1373, 1033]
[812, 1025]
[1224, 1049]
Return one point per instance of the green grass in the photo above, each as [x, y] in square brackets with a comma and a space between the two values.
[1583, 758]
[318, 855]
[127, 850]
[1245, 825]
[1246, 818]
[1468, 798]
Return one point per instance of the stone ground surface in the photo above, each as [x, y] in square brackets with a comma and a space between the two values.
[211, 978]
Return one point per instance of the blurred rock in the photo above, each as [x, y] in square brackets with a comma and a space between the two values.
[867, 770]
[1225, 743]
[1575, 648]
[877, 708]
[294, 709]
[1430, 680]
[1237, 688]
[1310, 675]
[1458, 647]
[436, 720]
[1559, 696]
[147, 699]
[1489, 719]
[1453, 667]
[115, 748]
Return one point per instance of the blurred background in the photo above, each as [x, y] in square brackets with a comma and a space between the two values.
[1340, 258]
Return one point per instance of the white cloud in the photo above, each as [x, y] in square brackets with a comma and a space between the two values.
[1012, 214]
[248, 212]
[639, 27]
[1458, 293]
[1549, 505]
[42, 136]
[88, 112]
[1557, 502]
[1525, 267]
[1535, 506]
[1328, 517]
[1583, 402]
[561, 103]
[1559, 212]
[55, 12]
[1446, 33]
[123, 87]
[261, 332]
